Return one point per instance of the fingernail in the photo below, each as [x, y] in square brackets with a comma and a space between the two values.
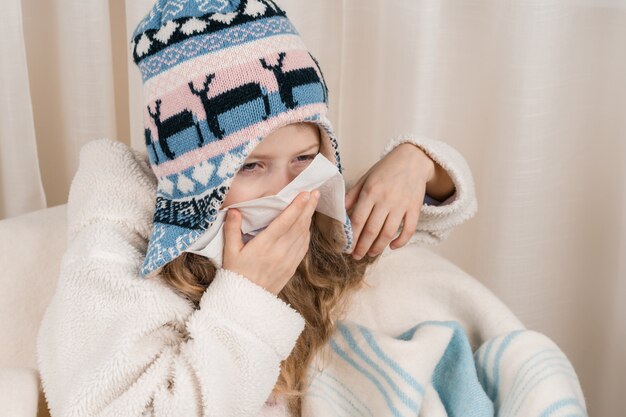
[316, 193]
[307, 196]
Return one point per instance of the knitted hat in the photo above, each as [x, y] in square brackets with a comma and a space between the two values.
[218, 76]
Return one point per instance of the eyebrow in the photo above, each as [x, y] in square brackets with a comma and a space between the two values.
[297, 153]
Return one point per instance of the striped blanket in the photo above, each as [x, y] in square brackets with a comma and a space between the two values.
[430, 370]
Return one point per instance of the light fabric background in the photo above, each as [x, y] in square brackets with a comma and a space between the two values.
[531, 92]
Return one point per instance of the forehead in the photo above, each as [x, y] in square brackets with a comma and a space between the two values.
[290, 138]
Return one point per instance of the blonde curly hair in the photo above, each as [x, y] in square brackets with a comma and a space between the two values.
[319, 291]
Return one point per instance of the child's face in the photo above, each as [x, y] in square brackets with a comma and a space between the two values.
[275, 162]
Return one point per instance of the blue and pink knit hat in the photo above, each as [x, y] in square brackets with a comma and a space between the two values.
[218, 77]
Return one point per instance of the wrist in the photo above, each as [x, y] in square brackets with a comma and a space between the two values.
[439, 185]
[424, 162]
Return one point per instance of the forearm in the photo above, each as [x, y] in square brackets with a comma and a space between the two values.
[439, 185]
[113, 344]
[436, 222]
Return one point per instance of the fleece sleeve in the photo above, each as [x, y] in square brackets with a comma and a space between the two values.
[437, 221]
[112, 343]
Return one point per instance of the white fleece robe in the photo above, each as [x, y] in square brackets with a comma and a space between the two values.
[114, 344]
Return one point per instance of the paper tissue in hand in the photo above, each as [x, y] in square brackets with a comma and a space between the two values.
[257, 214]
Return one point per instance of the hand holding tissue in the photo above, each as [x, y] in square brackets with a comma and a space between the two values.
[257, 214]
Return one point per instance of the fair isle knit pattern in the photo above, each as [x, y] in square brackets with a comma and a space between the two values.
[218, 77]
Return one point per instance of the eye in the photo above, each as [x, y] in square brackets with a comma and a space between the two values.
[303, 158]
[248, 167]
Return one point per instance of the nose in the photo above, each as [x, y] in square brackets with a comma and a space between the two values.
[278, 180]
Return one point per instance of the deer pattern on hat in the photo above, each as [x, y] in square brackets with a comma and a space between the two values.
[206, 124]
[219, 76]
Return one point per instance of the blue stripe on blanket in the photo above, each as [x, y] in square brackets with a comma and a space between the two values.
[493, 393]
[353, 402]
[526, 376]
[345, 356]
[519, 373]
[540, 360]
[392, 364]
[456, 381]
[482, 372]
[315, 391]
[454, 378]
[564, 403]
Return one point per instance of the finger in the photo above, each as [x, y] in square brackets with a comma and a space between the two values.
[353, 193]
[371, 231]
[281, 224]
[303, 225]
[233, 242]
[311, 205]
[307, 213]
[408, 228]
[295, 244]
[299, 249]
[360, 213]
[389, 230]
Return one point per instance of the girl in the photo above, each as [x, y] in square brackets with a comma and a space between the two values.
[139, 326]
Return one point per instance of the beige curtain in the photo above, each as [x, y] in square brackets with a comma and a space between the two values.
[532, 92]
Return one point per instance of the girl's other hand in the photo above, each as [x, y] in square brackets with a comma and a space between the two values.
[272, 257]
[391, 190]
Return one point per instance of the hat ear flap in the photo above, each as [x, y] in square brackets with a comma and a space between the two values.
[326, 147]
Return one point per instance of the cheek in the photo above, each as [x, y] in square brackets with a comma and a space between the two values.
[231, 197]
[327, 151]
[237, 193]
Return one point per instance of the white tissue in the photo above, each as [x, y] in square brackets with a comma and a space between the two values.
[257, 214]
